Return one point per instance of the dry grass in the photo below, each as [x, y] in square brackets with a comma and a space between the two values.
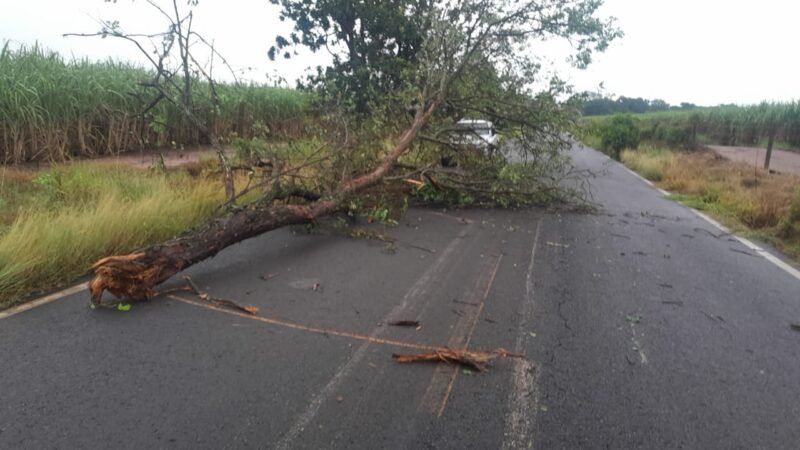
[63, 219]
[758, 199]
[736, 193]
[648, 162]
[790, 227]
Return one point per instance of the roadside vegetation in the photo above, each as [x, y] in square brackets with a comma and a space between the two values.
[744, 198]
[620, 132]
[763, 125]
[55, 109]
[55, 223]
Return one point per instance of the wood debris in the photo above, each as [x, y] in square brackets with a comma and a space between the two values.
[475, 360]
[221, 302]
[122, 276]
[462, 302]
[404, 323]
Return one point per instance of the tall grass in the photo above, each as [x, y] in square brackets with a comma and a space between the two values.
[790, 226]
[54, 109]
[648, 162]
[80, 213]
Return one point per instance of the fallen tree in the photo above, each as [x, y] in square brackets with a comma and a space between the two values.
[134, 276]
[473, 59]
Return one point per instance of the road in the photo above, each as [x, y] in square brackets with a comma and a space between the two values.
[643, 326]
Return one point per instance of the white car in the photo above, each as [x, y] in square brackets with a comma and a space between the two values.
[474, 132]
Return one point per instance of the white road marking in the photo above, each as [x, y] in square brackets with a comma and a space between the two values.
[287, 441]
[648, 182]
[434, 400]
[708, 219]
[746, 242]
[43, 300]
[523, 398]
[636, 344]
[752, 246]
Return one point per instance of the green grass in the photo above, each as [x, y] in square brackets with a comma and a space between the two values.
[16, 188]
[66, 218]
[52, 108]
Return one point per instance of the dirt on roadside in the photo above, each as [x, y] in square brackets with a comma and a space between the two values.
[172, 158]
[781, 161]
[143, 160]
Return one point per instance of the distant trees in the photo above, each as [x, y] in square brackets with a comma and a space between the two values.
[658, 105]
[598, 105]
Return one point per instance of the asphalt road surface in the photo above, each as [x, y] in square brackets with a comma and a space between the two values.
[643, 327]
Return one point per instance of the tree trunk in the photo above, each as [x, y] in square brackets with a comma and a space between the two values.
[133, 276]
[770, 142]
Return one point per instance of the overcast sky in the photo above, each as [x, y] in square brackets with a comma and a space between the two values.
[701, 51]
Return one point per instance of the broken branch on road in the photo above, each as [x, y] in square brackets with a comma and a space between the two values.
[736, 250]
[475, 360]
[405, 323]
[221, 302]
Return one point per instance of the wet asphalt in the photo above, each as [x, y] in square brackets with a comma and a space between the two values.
[642, 327]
